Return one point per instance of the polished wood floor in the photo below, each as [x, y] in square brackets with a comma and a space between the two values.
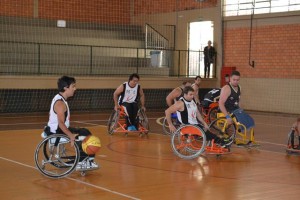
[146, 168]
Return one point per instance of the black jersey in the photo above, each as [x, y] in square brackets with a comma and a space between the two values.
[211, 96]
[232, 102]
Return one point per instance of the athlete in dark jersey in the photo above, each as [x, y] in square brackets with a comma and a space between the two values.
[230, 96]
[232, 102]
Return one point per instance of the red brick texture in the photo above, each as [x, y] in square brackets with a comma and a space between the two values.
[275, 50]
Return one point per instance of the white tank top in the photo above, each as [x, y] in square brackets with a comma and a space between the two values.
[189, 114]
[53, 121]
[130, 94]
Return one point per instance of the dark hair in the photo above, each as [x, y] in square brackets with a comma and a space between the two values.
[197, 77]
[235, 73]
[65, 81]
[134, 75]
[188, 89]
[226, 75]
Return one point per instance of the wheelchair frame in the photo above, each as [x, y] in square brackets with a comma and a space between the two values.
[241, 136]
[55, 157]
[293, 143]
[117, 122]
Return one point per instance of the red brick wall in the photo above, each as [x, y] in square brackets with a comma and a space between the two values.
[21, 8]
[103, 11]
[99, 11]
[275, 50]
[165, 6]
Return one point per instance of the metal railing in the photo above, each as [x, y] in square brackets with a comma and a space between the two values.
[160, 36]
[27, 58]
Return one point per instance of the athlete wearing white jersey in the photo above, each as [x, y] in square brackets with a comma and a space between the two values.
[188, 113]
[59, 119]
[128, 95]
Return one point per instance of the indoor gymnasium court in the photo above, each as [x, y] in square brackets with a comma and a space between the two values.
[101, 43]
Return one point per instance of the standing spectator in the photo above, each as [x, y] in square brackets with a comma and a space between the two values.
[209, 57]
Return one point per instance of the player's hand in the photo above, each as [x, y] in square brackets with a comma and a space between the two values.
[143, 108]
[72, 139]
[229, 121]
[116, 108]
[172, 128]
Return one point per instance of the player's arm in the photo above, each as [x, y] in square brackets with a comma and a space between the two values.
[173, 95]
[142, 97]
[200, 118]
[116, 95]
[60, 109]
[178, 106]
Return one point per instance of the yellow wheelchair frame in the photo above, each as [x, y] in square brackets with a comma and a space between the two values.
[242, 138]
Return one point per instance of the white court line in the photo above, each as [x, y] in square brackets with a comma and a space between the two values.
[82, 182]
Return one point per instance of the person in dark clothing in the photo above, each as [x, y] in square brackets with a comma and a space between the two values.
[209, 57]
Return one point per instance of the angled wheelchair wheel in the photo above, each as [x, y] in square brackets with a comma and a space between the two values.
[143, 120]
[293, 145]
[113, 121]
[55, 157]
[188, 142]
[221, 128]
[165, 125]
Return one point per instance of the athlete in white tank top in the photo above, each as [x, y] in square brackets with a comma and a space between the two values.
[53, 119]
[189, 114]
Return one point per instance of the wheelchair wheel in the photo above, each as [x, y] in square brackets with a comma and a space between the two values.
[188, 142]
[165, 125]
[143, 120]
[212, 115]
[55, 158]
[293, 142]
[220, 128]
[112, 121]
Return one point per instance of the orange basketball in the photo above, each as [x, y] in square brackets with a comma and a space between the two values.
[91, 145]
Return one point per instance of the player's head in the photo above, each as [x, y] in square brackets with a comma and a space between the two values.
[133, 79]
[235, 78]
[188, 93]
[65, 83]
[198, 80]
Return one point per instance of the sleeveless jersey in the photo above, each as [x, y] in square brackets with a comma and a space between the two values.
[129, 94]
[189, 114]
[232, 102]
[53, 121]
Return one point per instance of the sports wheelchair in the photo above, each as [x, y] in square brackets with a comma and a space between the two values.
[293, 143]
[55, 157]
[242, 136]
[189, 141]
[209, 112]
[117, 122]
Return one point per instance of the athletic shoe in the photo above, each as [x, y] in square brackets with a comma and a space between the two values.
[86, 165]
[131, 128]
